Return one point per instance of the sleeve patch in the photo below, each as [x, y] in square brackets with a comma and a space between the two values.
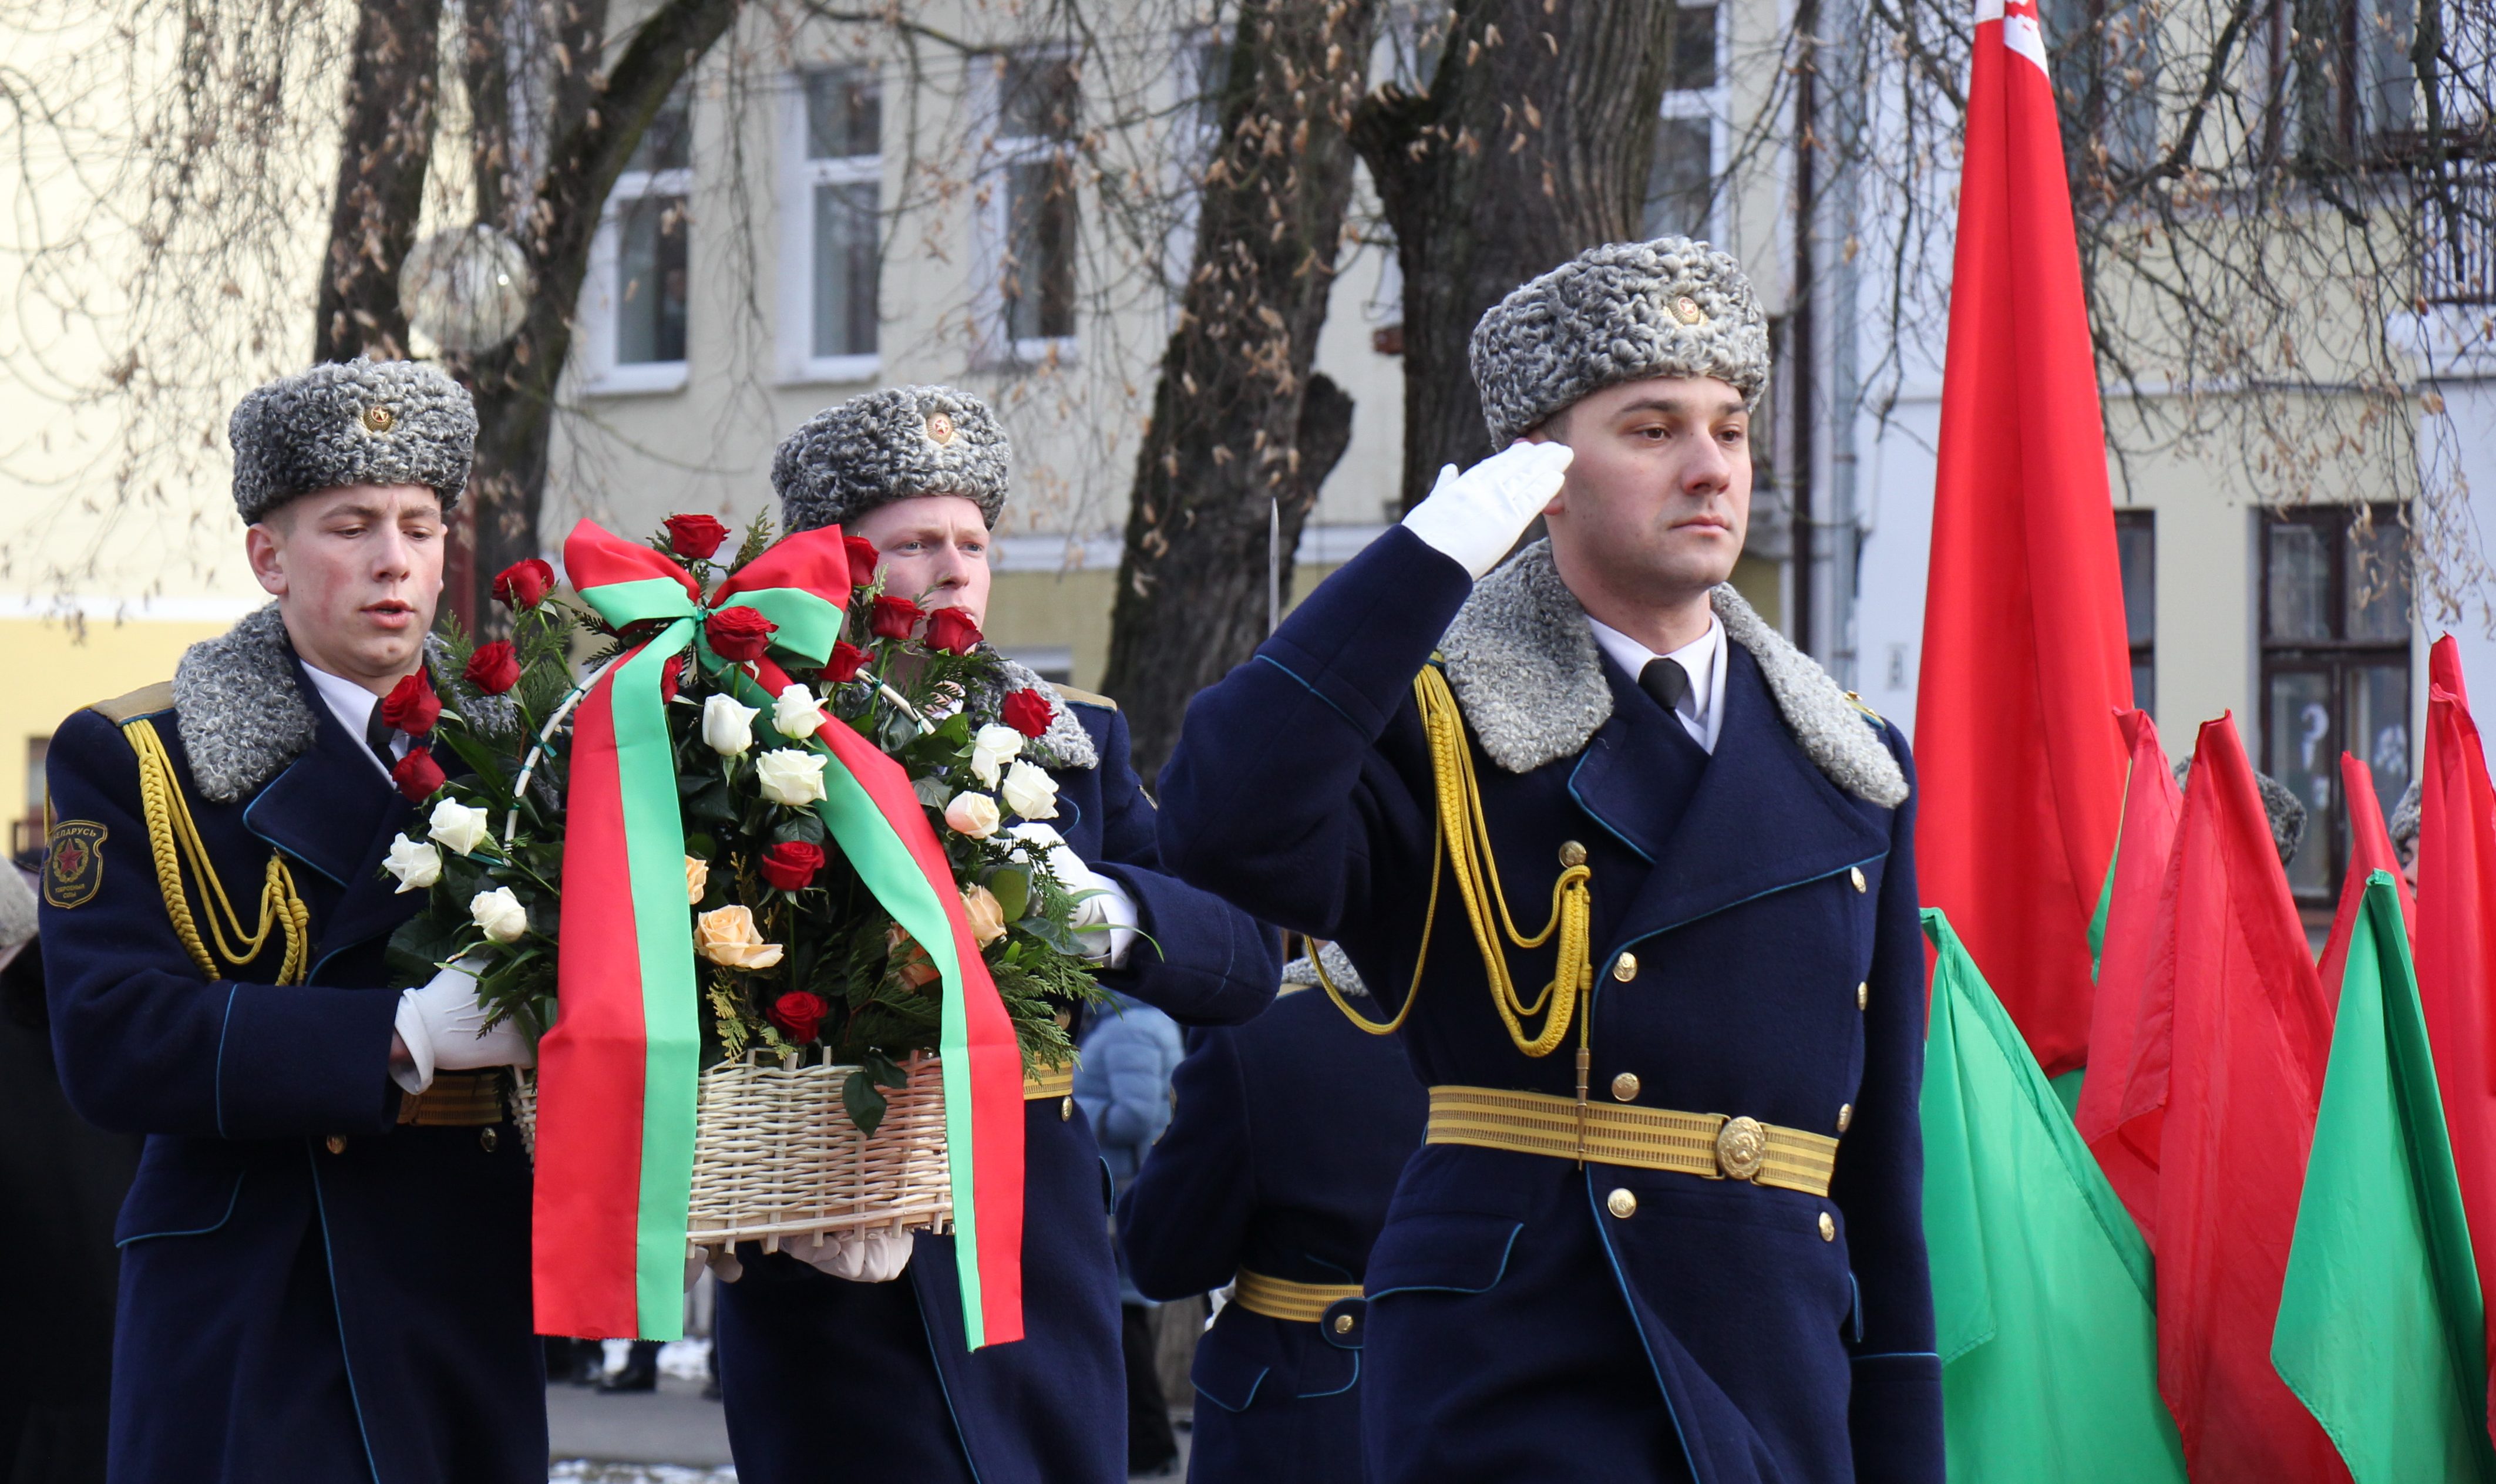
[73, 863]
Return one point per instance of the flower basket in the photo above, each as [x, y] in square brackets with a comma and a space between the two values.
[777, 1158]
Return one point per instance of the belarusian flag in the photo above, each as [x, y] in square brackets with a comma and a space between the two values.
[2045, 1308]
[2381, 1317]
[2370, 849]
[2151, 806]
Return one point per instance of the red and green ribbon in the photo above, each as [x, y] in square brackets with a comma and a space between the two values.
[616, 1073]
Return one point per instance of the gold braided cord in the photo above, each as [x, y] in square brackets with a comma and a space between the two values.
[1463, 834]
[173, 841]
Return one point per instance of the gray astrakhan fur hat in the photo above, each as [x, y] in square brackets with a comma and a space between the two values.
[895, 443]
[352, 422]
[2404, 824]
[2284, 810]
[1614, 314]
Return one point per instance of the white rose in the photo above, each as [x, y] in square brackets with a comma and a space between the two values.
[500, 914]
[991, 750]
[457, 827]
[971, 814]
[797, 715]
[1030, 791]
[728, 728]
[788, 776]
[415, 864]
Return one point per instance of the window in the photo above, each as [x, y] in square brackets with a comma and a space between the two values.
[1032, 206]
[2135, 544]
[832, 247]
[1682, 178]
[2335, 669]
[28, 835]
[2341, 74]
[639, 266]
[2105, 63]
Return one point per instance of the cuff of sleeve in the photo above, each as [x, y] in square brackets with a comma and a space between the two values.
[1894, 1417]
[1360, 640]
[416, 1074]
[300, 1059]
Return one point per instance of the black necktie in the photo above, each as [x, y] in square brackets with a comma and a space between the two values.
[378, 734]
[1666, 680]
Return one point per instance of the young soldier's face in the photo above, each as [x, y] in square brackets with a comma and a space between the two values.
[1658, 495]
[935, 550]
[357, 572]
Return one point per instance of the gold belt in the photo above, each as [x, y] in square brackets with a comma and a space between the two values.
[1039, 1086]
[457, 1100]
[1280, 1298]
[1709, 1145]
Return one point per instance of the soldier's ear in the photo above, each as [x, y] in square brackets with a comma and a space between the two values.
[263, 545]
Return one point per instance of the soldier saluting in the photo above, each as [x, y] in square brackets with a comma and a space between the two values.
[1635, 878]
[325, 1255]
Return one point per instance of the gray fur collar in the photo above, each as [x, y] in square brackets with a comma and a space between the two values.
[1524, 667]
[1065, 743]
[239, 705]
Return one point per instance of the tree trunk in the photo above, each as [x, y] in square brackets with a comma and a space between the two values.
[1239, 426]
[383, 150]
[1532, 144]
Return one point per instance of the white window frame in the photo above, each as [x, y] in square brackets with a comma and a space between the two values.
[994, 225]
[1712, 104]
[609, 377]
[799, 175]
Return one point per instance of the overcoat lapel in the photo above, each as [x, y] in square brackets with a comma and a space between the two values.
[332, 810]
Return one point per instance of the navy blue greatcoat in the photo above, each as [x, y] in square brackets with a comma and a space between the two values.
[1756, 952]
[1288, 1138]
[308, 1290]
[825, 1377]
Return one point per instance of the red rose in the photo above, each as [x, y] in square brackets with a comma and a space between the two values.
[846, 661]
[524, 585]
[417, 775]
[862, 559]
[952, 631]
[739, 633]
[798, 1014]
[671, 676]
[792, 864]
[1027, 712]
[494, 668]
[695, 537]
[894, 618]
[411, 706]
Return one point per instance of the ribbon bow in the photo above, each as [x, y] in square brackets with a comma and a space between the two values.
[617, 1072]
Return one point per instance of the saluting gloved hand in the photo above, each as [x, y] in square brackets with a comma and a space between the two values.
[1476, 515]
[860, 1257]
[1105, 921]
[442, 1028]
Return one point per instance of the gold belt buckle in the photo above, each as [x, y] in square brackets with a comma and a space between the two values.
[1741, 1148]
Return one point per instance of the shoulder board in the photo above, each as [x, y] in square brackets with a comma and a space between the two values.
[146, 701]
[1078, 698]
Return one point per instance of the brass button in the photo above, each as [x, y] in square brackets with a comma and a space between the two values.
[1065, 1109]
[487, 1138]
[337, 1143]
[1621, 1203]
[1827, 1228]
[1571, 854]
[381, 420]
[1856, 873]
[1343, 1324]
[1845, 1116]
[1625, 1087]
[1741, 1148]
[1863, 995]
[1625, 968]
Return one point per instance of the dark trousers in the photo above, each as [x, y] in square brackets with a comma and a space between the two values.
[1150, 1443]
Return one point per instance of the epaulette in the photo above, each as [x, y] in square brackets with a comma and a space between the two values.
[1083, 698]
[1856, 701]
[146, 701]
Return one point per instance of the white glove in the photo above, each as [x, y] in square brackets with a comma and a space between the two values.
[1106, 921]
[443, 1028]
[1476, 515]
[860, 1257]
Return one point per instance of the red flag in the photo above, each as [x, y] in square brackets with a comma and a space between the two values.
[2024, 638]
[2151, 805]
[2226, 1077]
[2370, 849]
[2457, 946]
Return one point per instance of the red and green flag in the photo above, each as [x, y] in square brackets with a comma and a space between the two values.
[2370, 849]
[616, 1073]
[2381, 1316]
[2136, 886]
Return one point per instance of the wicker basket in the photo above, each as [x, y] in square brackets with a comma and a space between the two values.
[777, 1161]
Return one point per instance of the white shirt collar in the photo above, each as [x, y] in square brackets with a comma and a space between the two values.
[1701, 712]
[353, 705]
